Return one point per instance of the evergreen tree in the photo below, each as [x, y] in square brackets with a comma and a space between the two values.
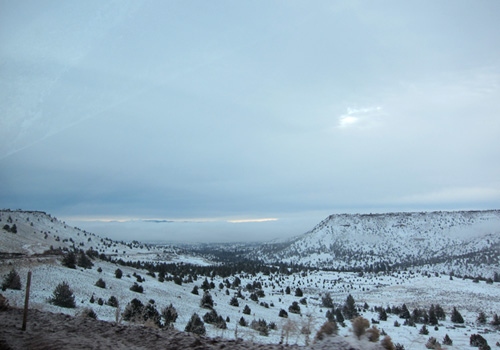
[118, 273]
[405, 313]
[456, 317]
[243, 322]
[327, 301]
[330, 315]
[283, 314]
[112, 301]
[169, 315]
[63, 296]
[447, 340]
[246, 310]
[294, 308]
[195, 325]
[440, 312]
[195, 290]
[133, 311]
[432, 316]
[100, 283]
[11, 281]
[84, 261]
[206, 301]
[349, 310]
[69, 260]
[339, 316]
[382, 315]
[481, 318]
[298, 292]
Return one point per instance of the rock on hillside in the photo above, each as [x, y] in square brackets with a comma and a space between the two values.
[379, 241]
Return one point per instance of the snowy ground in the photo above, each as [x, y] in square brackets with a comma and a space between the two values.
[415, 290]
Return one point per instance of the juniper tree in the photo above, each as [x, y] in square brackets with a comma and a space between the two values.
[481, 318]
[63, 296]
[100, 283]
[327, 301]
[11, 281]
[294, 308]
[234, 302]
[112, 301]
[169, 314]
[206, 301]
[456, 317]
[195, 325]
[133, 311]
[349, 310]
[69, 260]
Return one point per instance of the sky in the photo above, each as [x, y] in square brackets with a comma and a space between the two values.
[246, 120]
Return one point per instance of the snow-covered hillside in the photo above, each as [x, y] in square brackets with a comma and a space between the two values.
[39, 233]
[465, 242]
[267, 295]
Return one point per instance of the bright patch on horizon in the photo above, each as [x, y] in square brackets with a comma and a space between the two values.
[252, 220]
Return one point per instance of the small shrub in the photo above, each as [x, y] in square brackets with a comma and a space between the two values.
[100, 283]
[478, 341]
[432, 343]
[424, 330]
[327, 329]
[283, 314]
[63, 296]
[373, 334]
[260, 326]
[88, 312]
[4, 303]
[112, 301]
[294, 308]
[359, 326]
[387, 343]
[137, 288]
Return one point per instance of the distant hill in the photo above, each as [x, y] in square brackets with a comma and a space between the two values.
[464, 242]
[39, 233]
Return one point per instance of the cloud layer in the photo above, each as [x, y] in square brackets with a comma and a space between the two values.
[145, 109]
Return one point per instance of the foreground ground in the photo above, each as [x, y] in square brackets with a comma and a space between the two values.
[47, 330]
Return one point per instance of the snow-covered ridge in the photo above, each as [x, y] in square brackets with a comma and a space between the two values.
[40, 233]
[395, 239]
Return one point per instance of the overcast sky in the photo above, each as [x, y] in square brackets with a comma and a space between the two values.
[218, 111]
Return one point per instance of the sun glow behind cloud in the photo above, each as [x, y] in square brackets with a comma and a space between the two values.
[356, 116]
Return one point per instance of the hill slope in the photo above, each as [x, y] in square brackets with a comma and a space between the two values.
[452, 240]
